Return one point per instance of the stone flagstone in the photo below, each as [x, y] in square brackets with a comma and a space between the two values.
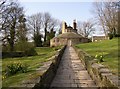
[71, 72]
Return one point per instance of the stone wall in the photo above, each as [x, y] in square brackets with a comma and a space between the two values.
[64, 41]
[98, 72]
[99, 38]
[50, 71]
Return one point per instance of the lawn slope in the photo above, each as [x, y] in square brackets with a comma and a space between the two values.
[34, 62]
[110, 50]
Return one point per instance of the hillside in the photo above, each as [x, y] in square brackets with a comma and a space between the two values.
[33, 63]
[109, 48]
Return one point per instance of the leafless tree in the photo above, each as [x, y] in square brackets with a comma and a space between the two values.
[86, 28]
[48, 23]
[2, 5]
[60, 28]
[35, 23]
[35, 26]
[107, 15]
[10, 19]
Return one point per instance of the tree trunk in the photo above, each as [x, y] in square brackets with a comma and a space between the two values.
[45, 34]
[12, 37]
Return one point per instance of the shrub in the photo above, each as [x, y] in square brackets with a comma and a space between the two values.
[27, 48]
[117, 35]
[23, 46]
[99, 57]
[30, 52]
[46, 44]
[110, 36]
[16, 68]
[12, 54]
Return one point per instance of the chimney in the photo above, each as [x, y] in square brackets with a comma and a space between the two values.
[63, 27]
[74, 24]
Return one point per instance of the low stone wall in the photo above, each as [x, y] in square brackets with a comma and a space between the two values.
[98, 72]
[50, 71]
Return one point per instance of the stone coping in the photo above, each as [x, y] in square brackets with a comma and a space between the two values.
[100, 73]
[46, 73]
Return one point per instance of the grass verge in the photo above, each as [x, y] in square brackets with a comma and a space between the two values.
[110, 50]
[33, 63]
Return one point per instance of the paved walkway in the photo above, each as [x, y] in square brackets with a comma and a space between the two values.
[71, 72]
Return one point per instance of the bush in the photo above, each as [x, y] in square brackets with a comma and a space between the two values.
[46, 44]
[12, 54]
[110, 35]
[27, 48]
[23, 46]
[30, 52]
[99, 57]
[15, 68]
[117, 35]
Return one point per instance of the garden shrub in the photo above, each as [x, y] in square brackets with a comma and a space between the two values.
[110, 36]
[16, 68]
[22, 48]
[27, 48]
[30, 52]
[99, 57]
[117, 35]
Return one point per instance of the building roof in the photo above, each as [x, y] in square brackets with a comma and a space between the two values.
[69, 27]
[69, 35]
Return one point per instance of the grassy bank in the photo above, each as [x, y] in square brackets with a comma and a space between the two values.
[33, 63]
[109, 48]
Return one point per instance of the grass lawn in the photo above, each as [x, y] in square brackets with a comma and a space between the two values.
[110, 50]
[33, 63]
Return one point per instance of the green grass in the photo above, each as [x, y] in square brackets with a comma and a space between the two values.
[110, 49]
[33, 62]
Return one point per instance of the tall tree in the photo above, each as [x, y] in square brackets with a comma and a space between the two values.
[86, 28]
[35, 24]
[48, 24]
[2, 5]
[46, 21]
[107, 15]
[10, 17]
[50, 35]
[22, 29]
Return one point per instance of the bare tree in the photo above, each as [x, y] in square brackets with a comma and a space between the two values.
[48, 24]
[86, 28]
[46, 21]
[60, 28]
[35, 24]
[107, 15]
[2, 5]
[42, 21]
[10, 19]
[22, 29]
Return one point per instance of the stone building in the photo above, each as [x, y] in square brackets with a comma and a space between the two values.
[99, 38]
[69, 36]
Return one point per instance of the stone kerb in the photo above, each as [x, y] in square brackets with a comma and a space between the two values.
[98, 72]
[49, 74]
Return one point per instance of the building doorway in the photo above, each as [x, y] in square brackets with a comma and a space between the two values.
[69, 43]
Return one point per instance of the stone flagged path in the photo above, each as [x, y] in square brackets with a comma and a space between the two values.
[71, 72]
